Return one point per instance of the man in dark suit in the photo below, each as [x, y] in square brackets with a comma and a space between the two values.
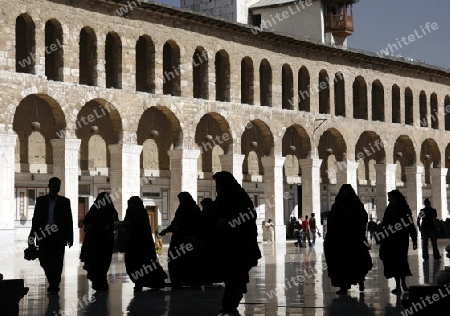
[52, 230]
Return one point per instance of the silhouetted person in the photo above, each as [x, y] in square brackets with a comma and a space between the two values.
[396, 228]
[140, 255]
[271, 229]
[52, 230]
[313, 228]
[305, 231]
[346, 251]
[98, 244]
[184, 269]
[237, 238]
[427, 223]
[372, 228]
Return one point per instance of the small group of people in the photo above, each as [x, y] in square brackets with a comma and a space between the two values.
[303, 228]
[347, 248]
[215, 245]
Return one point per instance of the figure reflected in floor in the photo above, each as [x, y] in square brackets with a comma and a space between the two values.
[141, 261]
[237, 238]
[183, 255]
[151, 305]
[346, 305]
[53, 306]
[346, 247]
[397, 227]
[98, 244]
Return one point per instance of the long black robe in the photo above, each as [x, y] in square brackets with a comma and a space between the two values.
[97, 248]
[346, 247]
[141, 261]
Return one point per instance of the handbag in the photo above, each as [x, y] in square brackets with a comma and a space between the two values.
[31, 253]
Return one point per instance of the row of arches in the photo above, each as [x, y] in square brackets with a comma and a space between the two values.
[99, 125]
[145, 77]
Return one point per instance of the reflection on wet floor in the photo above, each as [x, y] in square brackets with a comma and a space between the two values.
[288, 281]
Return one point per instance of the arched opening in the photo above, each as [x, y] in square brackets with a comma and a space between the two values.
[145, 64]
[171, 69]
[339, 94]
[304, 95]
[324, 92]
[396, 104]
[287, 82]
[247, 79]
[409, 107]
[377, 101]
[434, 111]
[200, 73]
[222, 64]
[113, 61]
[447, 112]
[54, 53]
[423, 109]
[430, 157]
[265, 78]
[360, 98]
[88, 57]
[25, 44]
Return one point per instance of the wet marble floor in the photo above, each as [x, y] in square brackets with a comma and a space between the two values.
[287, 281]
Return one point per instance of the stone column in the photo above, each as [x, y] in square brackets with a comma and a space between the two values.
[183, 175]
[65, 166]
[385, 177]
[273, 187]
[311, 187]
[124, 174]
[346, 172]
[439, 192]
[7, 165]
[414, 188]
[233, 163]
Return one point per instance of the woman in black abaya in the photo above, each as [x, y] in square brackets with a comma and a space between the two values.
[394, 245]
[140, 255]
[346, 247]
[98, 244]
[237, 238]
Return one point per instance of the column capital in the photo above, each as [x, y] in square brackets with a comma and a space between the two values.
[273, 161]
[310, 163]
[66, 143]
[125, 148]
[439, 171]
[414, 169]
[385, 167]
[8, 140]
[183, 153]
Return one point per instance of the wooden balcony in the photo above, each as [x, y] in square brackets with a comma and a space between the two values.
[340, 25]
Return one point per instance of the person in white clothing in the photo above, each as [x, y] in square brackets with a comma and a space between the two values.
[271, 228]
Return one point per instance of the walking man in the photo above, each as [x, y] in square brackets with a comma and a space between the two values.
[426, 222]
[52, 230]
[305, 227]
[313, 228]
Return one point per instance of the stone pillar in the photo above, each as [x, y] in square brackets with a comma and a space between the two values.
[439, 192]
[414, 188]
[183, 175]
[385, 177]
[124, 174]
[7, 165]
[65, 166]
[311, 187]
[346, 172]
[233, 163]
[273, 191]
